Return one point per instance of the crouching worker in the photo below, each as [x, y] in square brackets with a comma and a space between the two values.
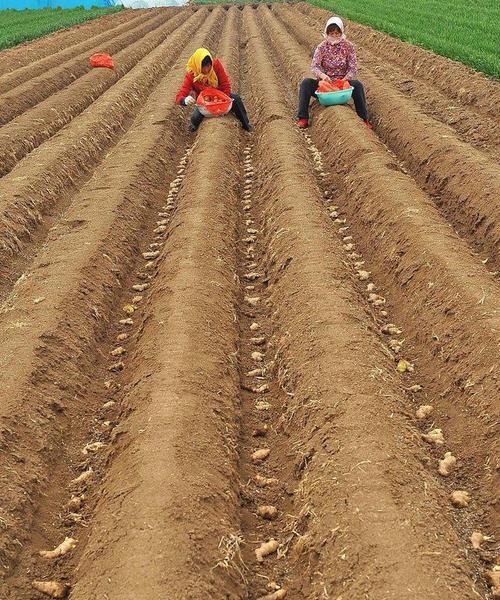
[204, 72]
[334, 58]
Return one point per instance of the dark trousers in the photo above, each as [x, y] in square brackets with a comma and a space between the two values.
[238, 110]
[308, 89]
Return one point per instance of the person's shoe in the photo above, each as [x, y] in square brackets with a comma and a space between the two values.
[247, 127]
[303, 123]
[192, 128]
[368, 124]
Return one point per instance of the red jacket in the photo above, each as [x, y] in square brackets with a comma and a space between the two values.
[188, 86]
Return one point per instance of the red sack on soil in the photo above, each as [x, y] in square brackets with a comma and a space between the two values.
[101, 59]
[213, 103]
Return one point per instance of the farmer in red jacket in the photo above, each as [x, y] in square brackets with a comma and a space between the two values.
[204, 72]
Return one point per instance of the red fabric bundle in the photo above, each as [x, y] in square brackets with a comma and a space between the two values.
[101, 59]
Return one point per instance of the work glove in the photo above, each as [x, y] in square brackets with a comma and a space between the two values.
[188, 100]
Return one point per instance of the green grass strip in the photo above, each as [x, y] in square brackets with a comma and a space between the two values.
[18, 26]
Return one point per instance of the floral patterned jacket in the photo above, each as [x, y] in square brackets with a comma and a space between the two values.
[338, 61]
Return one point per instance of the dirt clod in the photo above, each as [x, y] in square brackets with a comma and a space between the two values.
[262, 405]
[93, 447]
[260, 431]
[447, 465]
[477, 539]
[267, 512]
[493, 578]
[266, 549]
[424, 411]
[126, 322]
[395, 345]
[118, 366]
[415, 388]
[405, 366]
[83, 476]
[265, 481]
[54, 589]
[260, 455]
[255, 373]
[391, 329]
[120, 351]
[460, 498]
[262, 389]
[434, 437]
[140, 287]
[75, 502]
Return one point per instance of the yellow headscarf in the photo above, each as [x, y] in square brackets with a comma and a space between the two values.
[194, 66]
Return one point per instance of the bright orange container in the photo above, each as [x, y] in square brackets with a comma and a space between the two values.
[213, 103]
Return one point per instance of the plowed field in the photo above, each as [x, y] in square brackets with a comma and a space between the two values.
[220, 340]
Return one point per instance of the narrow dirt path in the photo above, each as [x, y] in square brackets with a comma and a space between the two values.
[263, 453]
[390, 221]
[75, 294]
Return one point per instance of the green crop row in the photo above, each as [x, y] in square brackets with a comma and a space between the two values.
[17, 26]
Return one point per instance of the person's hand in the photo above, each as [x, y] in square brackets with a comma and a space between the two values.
[324, 77]
[188, 100]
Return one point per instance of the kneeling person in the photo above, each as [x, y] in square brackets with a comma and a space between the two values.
[204, 72]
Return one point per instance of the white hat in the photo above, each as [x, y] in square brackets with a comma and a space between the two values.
[334, 21]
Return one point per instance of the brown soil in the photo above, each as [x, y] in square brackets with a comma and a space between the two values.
[236, 258]
[20, 98]
[23, 134]
[49, 173]
[24, 54]
[20, 75]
